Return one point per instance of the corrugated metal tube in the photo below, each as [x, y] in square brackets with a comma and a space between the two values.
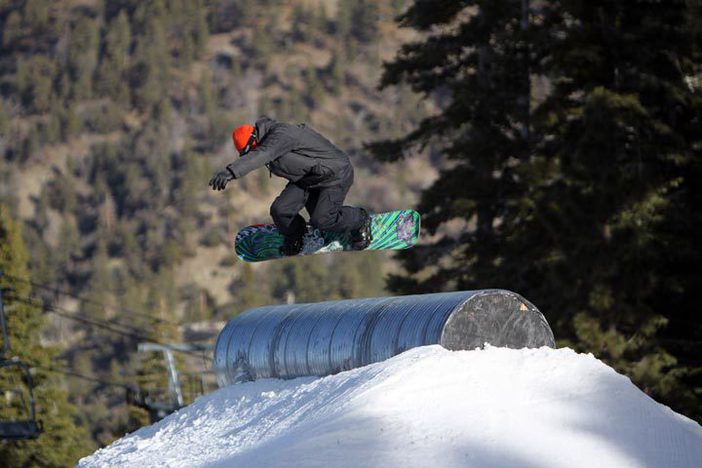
[295, 340]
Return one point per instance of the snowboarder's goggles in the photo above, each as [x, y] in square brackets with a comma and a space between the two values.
[247, 147]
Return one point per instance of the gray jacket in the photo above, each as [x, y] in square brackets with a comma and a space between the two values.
[294, 152]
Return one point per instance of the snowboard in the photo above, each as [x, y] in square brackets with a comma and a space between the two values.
[392, 230]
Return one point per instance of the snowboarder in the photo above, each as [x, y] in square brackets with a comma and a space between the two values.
[320, 176]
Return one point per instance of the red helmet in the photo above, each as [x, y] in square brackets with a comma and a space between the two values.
[244, 138]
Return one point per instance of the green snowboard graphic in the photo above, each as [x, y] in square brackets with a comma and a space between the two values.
[392, 230]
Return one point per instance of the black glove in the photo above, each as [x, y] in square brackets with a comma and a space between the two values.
[219, 180]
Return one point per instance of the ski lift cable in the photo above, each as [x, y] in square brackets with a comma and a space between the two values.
[137, 335]
[117, 328]
[71, 373]
[86, 300]
[108, 326]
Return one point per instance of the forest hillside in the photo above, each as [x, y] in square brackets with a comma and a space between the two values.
[114, 115]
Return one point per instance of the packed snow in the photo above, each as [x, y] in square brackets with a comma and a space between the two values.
[492, 407]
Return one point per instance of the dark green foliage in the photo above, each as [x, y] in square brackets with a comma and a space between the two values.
[313, 279]
[188, 26]
[365, 20]
[82, 56]
[70, 122]
[426, 14]
[225, 15]
[62, 195]
[213, 238]
[50, 130]
[36, 13]
[115, 59]
[29, 146]
[314, 87]
[578, 203]
[300, 279]
[199, 30]
[216, 126]
[248, 290]
[481, 132]
[62, 442]
[263, 44]
[12, 29]
[34, 81]
[4, 117]
[337, 70]
[628, 151]
[103, 118]
[189, 184]
[151, 65]
[302, 23]
[207, 95]
[357, 20]
[344, 20]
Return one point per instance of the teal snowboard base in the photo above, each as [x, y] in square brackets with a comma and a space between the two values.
[392, 230]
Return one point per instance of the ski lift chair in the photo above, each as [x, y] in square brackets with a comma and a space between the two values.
[21, 429]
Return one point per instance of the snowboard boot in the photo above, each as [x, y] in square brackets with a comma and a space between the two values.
[292, 245]
[362, 237]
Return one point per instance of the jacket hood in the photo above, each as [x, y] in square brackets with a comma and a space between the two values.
[263, 125]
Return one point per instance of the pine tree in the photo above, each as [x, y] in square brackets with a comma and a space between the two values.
[82, 56]
[70, 123]
[294, 106]
[338, 73]
[307, 279]
[477, 58]
[152, 58]
[263, 44]
[62, 442]
[579, 203]
[616, 174]
[302, 27]
[207, 95]
[100, 282]
[200, 31]
[344, 20]
[12, 29]
[315, 90]
[115, 60]
[357, 276]
[248, 289]
[35, 82]
[69, 242]
[30, 146]
[4, 117]
[365, 21]
[247, 11]
[36, 14]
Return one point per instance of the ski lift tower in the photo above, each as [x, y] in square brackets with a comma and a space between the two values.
[160, 409]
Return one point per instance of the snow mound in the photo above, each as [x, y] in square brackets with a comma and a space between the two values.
[426, 407]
